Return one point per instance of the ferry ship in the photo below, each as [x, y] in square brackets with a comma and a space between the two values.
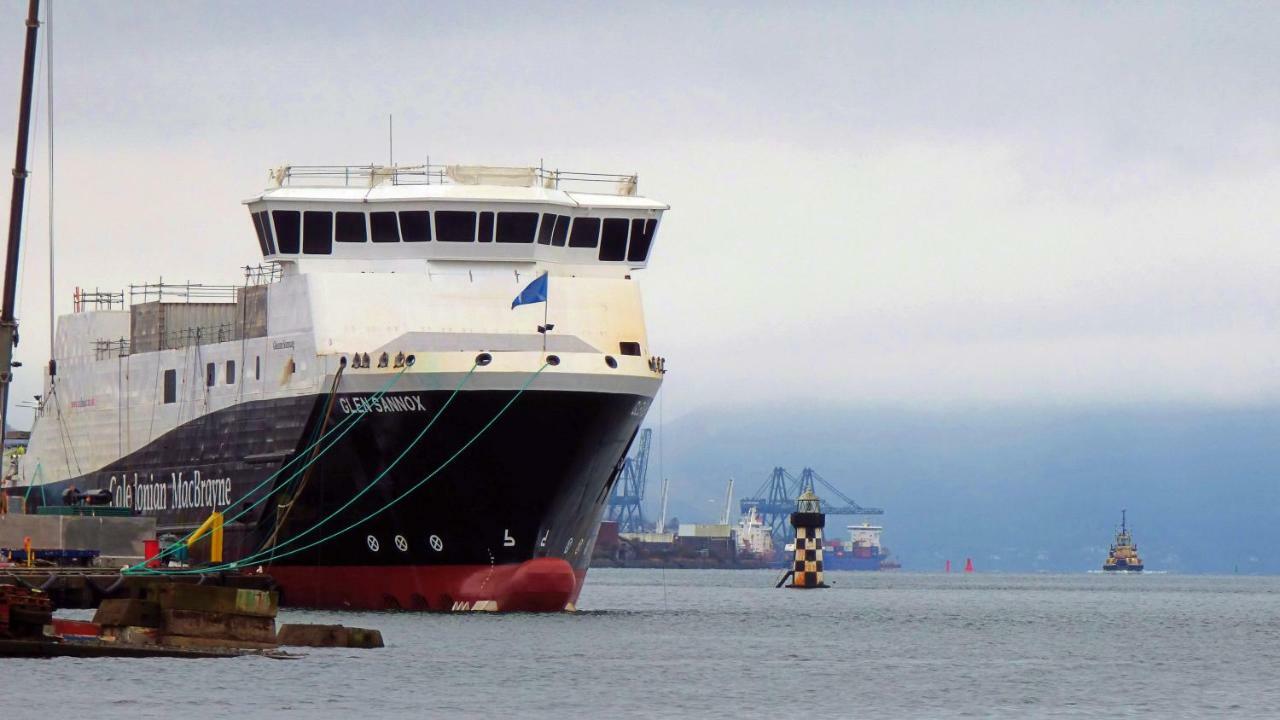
[383, 305]
[1123, 556]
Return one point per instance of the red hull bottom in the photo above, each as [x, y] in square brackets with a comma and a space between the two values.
[538, 585]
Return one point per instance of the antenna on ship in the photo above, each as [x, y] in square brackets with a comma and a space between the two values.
[1123, 522]
[8, 323]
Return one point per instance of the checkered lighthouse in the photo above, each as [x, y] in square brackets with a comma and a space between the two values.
[808, 521]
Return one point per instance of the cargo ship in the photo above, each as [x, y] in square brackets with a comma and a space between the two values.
[1123, 556]
[754, 537]
[862, 551]
[432, 378]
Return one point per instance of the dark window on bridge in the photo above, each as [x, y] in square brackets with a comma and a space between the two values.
[262, 235]
[287, 223]
[257, 367]
[266, 230]
[629, 348]
[170, 387]
[544, 232]
[456, 226]
[517, 227]
[210, 374]
[561, 232]
[231, 372]
[641, 239]
[415, 225]
[586, 233]
[486, 227]
[317, 232]
[351, 227]
[383, 227]
[613, 241]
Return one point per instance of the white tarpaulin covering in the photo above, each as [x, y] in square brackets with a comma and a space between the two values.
[483, 175]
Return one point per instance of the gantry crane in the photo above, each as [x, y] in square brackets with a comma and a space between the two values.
[626, 504]
[776, 499]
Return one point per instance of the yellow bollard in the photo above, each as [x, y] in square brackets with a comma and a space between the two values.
[212, 527]
[215, 548]
[26, 547]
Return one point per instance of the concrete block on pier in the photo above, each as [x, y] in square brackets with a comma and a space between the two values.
[329, 636]
[190, 623]
[207, 599]
[124, 612]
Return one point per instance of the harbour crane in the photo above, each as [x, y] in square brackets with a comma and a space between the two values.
[776, 499]
[626, 504]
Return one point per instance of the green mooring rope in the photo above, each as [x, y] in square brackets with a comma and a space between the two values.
[343, 427]
[257, 556]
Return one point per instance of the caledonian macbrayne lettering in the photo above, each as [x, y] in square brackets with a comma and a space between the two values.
[146, 494]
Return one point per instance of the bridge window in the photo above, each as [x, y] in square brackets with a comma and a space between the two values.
[287, 223]
[231, 372]
[486, 227]
[170, 387]
[262, 236]
[561, 231]
[317, 232]
[415, 225]
[517, 227]
[544, 232]
[210, 374]
[629, 348]
[456, 226]
[613, 241]
[382, 225]
[351, 228]
[586, 233]
[641, 239]
[266, 230]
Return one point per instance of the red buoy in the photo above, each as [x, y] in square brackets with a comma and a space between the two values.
[948, 566]
[968, 564]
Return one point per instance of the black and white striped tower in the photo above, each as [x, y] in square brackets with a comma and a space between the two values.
[808, 521]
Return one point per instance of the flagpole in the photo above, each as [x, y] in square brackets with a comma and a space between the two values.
[546, 330]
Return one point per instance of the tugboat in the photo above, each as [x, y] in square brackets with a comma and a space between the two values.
[1124, 554]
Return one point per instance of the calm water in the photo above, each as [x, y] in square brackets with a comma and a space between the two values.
[699, 644]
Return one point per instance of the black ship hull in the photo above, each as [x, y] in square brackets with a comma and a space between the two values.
[507, 521]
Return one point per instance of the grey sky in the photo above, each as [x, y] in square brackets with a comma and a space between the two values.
[888, 203]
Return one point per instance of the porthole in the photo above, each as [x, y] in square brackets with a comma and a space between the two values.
[410, 360]
[483, 359]
[553, 360]
[611, 362]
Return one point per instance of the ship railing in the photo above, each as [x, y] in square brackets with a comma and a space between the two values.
[262, 274]
[105, 349]
[95, 299]
[206, 335]
[429, 174]
[182, 292]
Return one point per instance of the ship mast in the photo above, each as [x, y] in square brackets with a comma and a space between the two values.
[8, 323]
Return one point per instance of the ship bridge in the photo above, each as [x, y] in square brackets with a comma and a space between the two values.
[381, 216]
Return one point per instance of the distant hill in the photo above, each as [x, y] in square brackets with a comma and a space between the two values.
[1015, 489]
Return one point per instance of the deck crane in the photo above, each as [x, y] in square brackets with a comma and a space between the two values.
[626, 504]
[776, 500]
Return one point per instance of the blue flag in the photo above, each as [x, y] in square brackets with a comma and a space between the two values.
[535, 292]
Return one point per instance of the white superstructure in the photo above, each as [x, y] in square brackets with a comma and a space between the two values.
[383, 262]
